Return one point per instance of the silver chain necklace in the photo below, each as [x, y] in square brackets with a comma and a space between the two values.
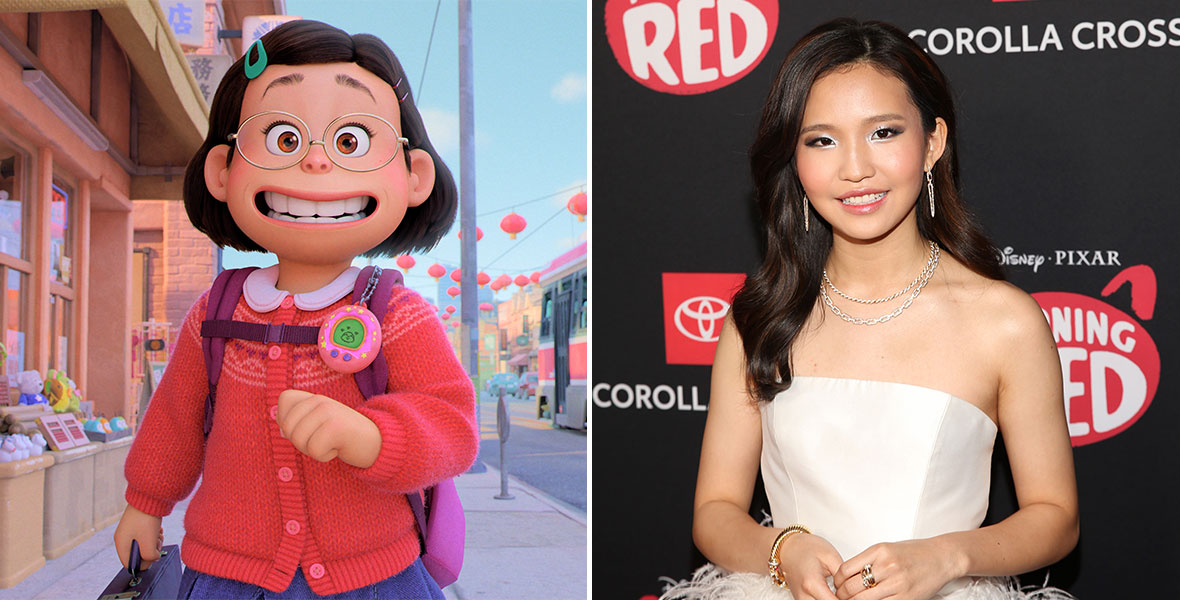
[928, 267]
[923, 279]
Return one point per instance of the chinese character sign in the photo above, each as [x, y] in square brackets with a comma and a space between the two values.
[187, 20]
[208, 69]
[258, 26]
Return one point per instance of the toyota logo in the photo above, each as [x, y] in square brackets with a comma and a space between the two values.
[705, 311]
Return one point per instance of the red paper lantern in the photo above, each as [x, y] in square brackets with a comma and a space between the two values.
[485, 306]
[445, 316]
[535, 277]
[456, 276]
[521, 280]
[451, 308]
[513, 224]
[496, 285]
[436, 271]
[504, 280]
[482, 278]
[478, 234]
[577, 205]
[452, 291]
[406, 262]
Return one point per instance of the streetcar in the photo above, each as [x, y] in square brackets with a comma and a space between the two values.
[561, 354]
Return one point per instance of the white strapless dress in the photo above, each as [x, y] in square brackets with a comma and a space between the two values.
[863, 462]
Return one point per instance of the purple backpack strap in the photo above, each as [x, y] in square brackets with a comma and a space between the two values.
[372, 379]
[223, 299]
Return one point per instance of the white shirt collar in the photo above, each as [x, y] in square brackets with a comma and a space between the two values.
[262, 295]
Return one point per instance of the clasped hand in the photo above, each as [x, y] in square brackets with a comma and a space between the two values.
[910, 570]
[323, 429]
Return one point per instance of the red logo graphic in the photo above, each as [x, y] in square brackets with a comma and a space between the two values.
[695, 305]
[1109, 364]
[690, 46]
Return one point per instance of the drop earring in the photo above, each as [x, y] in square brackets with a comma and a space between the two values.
[806, 220]
[930, 192]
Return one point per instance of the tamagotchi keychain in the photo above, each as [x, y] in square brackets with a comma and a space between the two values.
[351, 337]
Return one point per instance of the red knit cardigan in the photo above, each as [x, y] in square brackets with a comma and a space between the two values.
[265, 509]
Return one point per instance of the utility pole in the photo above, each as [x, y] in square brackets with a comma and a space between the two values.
[468, 264]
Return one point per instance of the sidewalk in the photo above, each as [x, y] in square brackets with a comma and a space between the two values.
[532, 546]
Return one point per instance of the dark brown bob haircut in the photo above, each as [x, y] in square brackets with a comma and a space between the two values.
[313, 42]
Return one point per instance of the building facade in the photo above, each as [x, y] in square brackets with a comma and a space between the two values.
[520, 321]
[99, 116]
[98, 113]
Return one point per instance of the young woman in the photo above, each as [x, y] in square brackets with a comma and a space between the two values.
[868, 366]
[316, 153]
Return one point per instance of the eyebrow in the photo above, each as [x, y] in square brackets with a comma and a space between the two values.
[868, 121]
[291, 79]
[347, 81]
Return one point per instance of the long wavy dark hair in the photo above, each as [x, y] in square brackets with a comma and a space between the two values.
[775, 302]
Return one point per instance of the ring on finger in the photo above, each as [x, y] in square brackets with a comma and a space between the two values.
[866, 576]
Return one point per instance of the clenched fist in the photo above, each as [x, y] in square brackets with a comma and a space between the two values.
[323, 429]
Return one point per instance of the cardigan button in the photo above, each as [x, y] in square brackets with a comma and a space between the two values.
[287, 302]
[275, 352]
[292, 527]
[274, 412]
[285, 474]
[316, 571]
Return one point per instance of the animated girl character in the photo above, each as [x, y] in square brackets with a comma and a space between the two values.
[316, 153]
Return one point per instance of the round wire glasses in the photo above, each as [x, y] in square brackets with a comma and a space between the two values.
[358, 142]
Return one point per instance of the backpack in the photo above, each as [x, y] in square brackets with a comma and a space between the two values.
[441, 522]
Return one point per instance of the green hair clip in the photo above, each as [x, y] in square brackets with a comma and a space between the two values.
[254, 69]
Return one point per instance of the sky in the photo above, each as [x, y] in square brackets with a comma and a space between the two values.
[530, 70]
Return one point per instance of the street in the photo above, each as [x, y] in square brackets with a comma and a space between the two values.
[550, 459]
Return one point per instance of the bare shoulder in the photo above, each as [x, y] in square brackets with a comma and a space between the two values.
[996, 310]
[1011, 336]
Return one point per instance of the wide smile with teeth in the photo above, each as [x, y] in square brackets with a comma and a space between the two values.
[865, 199]
[297, 210]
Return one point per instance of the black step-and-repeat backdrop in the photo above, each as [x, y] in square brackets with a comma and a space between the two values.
[1069, 115]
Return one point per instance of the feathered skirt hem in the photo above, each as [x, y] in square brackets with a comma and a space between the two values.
[713, 583]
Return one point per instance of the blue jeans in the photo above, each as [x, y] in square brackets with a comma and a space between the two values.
[412, 583]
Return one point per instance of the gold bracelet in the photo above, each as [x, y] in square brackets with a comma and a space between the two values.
[776, 574]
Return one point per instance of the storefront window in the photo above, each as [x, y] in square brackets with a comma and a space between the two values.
[59, 324]
[12, 180]
[15, 290]
[60, 248]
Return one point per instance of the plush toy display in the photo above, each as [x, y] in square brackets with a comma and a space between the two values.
[99, 429]
[8, 450]
[29, 383]
[61, 392]
[20, 447]
[39, 443]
